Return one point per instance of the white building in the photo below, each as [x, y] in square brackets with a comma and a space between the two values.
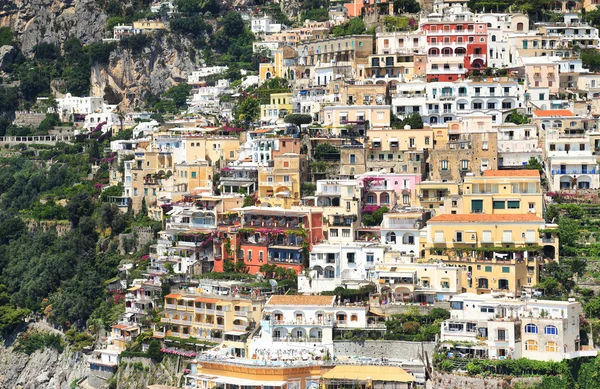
[399, 42]
[207, 97]
[198, 75]
[506, 327]
[304, 324]
[145, 128]
[571, 164]
[71, 105]
[517, 144]
[265, 24]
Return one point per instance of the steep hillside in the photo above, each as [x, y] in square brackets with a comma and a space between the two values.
[53, 21]
[131, 77]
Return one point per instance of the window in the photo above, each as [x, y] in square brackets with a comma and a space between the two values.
[350, 257]
[426, 140]
[531, 329]
[458, 236]
[193, 174]
[488, 269]
[286, 179]
[333, 233]
[550, 330]
[444, 164]
[485, 309]
[260, 256]
[370, 257]
[507, 236]
[501, 335]
[505, 269]
[464, 164]
[531, 345]
[135, 193]
[551, 347]
[487, 237]
[249, 256]
[352, 158]
[456, 305]
[439, 237]
[405, 199]
[286, 163]
[345, 233]
[476, 206]
[498, 204]
[231, 154]
[513, 204]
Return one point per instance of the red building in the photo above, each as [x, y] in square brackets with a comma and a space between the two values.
[275, 236]
[454, 48]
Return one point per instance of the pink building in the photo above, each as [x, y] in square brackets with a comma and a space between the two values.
[389, 189]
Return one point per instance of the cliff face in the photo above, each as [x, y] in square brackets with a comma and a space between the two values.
[53, 21]
[129, 78]
[41, 370]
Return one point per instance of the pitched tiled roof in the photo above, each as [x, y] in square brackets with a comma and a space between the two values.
[553, 112]
[301, 300]
[483, 218]
[511, 173]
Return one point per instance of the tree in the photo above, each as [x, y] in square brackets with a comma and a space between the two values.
[46, 52]
[414, 120]
[179, 94]
[375, 218]
[325, 150]
[233, 24]
[590, 59]
[535, 164]
[406, 6]
[154, 351]
[298, 119]
[354, 26]
[248, 110]
[518, 118]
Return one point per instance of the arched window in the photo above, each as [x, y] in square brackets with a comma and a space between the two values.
[551, 347]
[550, 330]
[519, 26]
[493, 38]
[531, 345]
[531, 329]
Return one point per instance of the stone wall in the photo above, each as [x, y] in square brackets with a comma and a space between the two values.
[456, 381]
[136, 240]
[28, 119]
[390, 349]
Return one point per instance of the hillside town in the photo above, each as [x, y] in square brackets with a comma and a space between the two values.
[401, 205]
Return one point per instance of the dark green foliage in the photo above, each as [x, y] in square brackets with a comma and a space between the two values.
[136, 43]
[518, 118]
[414, 326]
[49, 123]
[30, 342]
[6, 36]
[248, 110]
[99, 52]
[154, 352]
[308, 189]
[591, 59]
[46, 52]
[316, 14]
[179, 94]
[9, 99]
[193, 7]
[375, 218]
[326, 151]
[195, 26]
[413, 120]
[406, 6]
[354, 26]
[298, 119]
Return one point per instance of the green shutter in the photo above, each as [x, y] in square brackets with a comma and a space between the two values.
[514, 204]
[488, 269]
[499, 204]
[476, 206]
[505, 269]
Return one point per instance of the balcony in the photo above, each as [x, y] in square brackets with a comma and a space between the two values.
[576, 171]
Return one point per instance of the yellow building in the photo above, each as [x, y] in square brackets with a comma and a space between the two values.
[504, 192]
[280, 185]
[197, 176]
[149, 25]
[211, 374]
[209, 318]
[498, 252]
[399, 150]
[443, 196]
[210, 148]
[279, 108]
[366, 377]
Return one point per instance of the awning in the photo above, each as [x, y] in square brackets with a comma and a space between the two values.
[376, 139]
[366, 373]
[235, 333]
[302, 92]
[244, 382]
[393, 139]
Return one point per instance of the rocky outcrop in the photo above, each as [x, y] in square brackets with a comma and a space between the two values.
[130, 78]
[53, 21]
[45, 369]
[7, 55]
[138, 373]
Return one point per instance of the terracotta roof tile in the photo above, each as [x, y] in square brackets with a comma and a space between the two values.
[173, 296]
[511, 173]
[301, 300]
[483, 218]
[553, 112]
